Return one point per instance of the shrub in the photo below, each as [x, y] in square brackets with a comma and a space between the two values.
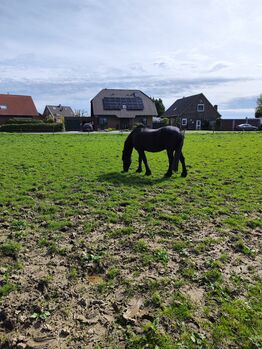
[49, 120]
[32, 127]
[19, 121]
[165, 121]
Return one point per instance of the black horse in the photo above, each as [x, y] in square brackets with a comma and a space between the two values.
[143, 139]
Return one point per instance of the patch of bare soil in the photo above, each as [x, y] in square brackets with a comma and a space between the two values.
[70, 299]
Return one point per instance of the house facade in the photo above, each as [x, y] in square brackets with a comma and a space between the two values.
[16, 106]
[57, 112]
[121, 109]
[193, 113]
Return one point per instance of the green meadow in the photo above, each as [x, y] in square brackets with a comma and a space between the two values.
[91, 257]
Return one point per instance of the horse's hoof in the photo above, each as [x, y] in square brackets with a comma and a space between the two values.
[148, 173]
[168, 175]
[184, 174]
[138, 171]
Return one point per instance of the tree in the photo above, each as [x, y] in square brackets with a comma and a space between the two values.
[218, 124]
[258, 113]
[80, 112]
[159, 106]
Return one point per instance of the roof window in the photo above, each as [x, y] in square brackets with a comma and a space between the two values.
[3, 107]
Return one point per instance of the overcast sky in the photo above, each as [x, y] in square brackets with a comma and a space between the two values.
[66, 51]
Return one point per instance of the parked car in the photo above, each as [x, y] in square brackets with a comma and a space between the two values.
[88, 127]
[246, 127]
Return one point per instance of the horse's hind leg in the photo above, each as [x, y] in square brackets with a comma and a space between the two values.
[139, 169]
[170, 154]
[176, 160]
[182, 160]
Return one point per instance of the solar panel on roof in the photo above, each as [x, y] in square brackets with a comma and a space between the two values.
[118, 103]
[111, 103]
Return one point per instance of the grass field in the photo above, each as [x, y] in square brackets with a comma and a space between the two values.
[94, 258]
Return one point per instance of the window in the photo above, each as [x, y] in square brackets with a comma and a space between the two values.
[200, 107]
[103, 122]
[184, 122]
[3, 107]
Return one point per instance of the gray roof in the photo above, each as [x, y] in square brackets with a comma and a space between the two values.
[60, 110]
[187, 105]
[149, 108]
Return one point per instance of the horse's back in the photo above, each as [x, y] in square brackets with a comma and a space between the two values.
[164, 129]
[155, 140]
[170, 130]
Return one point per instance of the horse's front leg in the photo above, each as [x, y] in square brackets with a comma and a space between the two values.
[170, 154]
[139, 169]
[184, 170]
[143, 157]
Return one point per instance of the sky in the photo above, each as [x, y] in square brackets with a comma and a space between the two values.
[66, 51]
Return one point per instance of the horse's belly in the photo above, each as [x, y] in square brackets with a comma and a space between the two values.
[154, 149]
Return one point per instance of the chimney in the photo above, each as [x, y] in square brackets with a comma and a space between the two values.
[215, 106]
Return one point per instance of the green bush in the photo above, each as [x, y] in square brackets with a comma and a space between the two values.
[19, 121]
[33, 127]
[50, 120]
[165, 121]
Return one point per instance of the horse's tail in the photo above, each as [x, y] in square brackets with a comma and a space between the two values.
[178, 151]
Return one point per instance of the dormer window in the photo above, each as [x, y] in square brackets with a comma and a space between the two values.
[200, 107]
[3, 107]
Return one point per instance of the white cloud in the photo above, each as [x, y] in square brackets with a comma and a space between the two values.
[80, 46]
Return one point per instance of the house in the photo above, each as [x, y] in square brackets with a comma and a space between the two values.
[57, 112]
[121, 109]
[16, 106]
[193, 113]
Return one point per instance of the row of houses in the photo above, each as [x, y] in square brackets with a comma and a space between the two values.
[122, 109]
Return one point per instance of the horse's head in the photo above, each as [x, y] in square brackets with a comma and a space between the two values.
[126, 158]
[126, 155]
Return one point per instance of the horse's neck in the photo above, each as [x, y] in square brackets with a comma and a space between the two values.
[128, 145]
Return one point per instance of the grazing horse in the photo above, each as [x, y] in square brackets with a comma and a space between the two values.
[143, 139]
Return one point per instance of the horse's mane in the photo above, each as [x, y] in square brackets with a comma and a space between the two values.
[138, 127]
[129, 137]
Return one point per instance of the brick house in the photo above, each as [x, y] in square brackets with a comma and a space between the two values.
[121, 109]
[57, 112]
[16, 106]
[193, 113]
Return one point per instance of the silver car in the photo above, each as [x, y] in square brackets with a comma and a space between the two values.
[246, 127]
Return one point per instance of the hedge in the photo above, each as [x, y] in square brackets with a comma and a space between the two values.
[40, 127]
[19, 121]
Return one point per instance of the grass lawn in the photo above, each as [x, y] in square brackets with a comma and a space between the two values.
[94, 258]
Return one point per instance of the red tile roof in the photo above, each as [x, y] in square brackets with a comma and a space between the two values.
[13, 105]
